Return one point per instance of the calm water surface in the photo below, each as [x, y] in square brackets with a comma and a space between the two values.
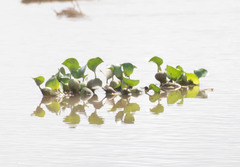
[194, 34]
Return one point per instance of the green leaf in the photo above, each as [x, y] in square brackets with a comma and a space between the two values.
[180, 68]
[128, 68]
[72, 118]
[65, 79]
[193, 78]
[79, 73]
[39, 80]
[155, 88]
[131, 82]
[132, 107]
[157, 109]
[52, 83]
[93, 63]
[54, 107]
[173, 73]
[192, 92]
[158, 61]
[117, 71]
[62, 70]
[72, 64]
[200, 72]
[124, 85]
[173, 97]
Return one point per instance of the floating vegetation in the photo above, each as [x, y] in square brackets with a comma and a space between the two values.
[174, 78]
[72, 88]
[74, 82]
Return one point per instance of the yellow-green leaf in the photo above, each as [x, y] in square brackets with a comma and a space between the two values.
[158, 61]
[193, 78]
[173, 73]
[39, 80]
[52, 83]
[128, 68]
[131, 82]
[93, 63]
[71, 63]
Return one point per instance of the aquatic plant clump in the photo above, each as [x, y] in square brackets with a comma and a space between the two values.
[75, 81]
[173, 78]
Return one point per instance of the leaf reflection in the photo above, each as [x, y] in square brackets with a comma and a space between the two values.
[71, 107]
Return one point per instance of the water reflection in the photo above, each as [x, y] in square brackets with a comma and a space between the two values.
[122, 106]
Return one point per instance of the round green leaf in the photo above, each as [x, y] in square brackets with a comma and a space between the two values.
[193, 78]
[52, 83]
[72, 64]
[180, 68]
[79, 73]
[93, 63]
[173, 73]
[131, 82]
[154, 88]
[62, 70]
[39, 80]
[200, 72]
[65, 79]
[158, 61]
[128, 68]
[117, 71]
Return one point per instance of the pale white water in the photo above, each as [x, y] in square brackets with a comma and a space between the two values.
[194, 34]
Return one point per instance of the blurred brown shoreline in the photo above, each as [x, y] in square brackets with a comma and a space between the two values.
[43, 1]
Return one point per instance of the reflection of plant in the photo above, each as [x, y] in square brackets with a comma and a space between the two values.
[124, 109]
[127, 110]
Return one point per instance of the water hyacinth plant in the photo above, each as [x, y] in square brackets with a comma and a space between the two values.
[174, 78]
[74, 82]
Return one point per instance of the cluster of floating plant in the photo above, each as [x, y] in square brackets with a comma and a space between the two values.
[75, 82]
[73, 90]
